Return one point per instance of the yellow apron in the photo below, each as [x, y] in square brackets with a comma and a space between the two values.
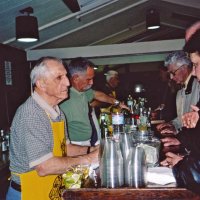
[35, 187]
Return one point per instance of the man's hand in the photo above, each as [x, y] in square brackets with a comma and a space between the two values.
[190, 119]
[170, 141]
[166, 129]
[191, 30]
[171, 159]
[170, 130]
[123, 106]
[160, 127]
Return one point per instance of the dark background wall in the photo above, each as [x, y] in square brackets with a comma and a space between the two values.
[11, 96]
[146, 74]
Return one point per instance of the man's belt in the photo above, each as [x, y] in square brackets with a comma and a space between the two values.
[15, 186]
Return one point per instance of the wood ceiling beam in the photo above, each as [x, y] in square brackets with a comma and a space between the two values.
[141, 49]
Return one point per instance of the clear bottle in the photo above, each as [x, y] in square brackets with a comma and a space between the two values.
[4, 147]
[149, 119]
[117, 121]
[111, 165]
[130, 102]
[131, 118]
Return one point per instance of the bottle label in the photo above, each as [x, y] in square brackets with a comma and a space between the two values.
[117, 119]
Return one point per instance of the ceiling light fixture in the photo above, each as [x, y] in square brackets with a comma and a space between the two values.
[27, 26]
[152, 19]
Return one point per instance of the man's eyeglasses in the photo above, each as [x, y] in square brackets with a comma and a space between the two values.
[173, 73]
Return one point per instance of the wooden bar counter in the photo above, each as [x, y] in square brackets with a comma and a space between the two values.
[151, 192]
[130, 194]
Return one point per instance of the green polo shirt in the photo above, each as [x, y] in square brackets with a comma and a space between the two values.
[76, 112]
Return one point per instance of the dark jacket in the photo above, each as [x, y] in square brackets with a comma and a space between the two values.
[187, 173]
[190, 138]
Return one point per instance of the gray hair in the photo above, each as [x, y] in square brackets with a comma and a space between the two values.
[178, 58]
[41, 68]
[79, 65]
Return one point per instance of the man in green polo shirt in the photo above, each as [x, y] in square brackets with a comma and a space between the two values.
[76, 107]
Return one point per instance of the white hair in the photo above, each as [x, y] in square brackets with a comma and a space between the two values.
[41, 68]
[110, 74]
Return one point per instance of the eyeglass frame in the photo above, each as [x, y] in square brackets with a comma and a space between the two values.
[173, 73]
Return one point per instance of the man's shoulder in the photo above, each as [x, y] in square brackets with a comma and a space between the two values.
[28, 108]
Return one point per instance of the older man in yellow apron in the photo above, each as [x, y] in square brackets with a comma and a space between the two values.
[38, 137]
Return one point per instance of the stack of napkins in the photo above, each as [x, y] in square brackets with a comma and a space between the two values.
[160, 175]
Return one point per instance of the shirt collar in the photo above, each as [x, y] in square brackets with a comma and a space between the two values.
[187, 80]
[76, 91]
[53, 113]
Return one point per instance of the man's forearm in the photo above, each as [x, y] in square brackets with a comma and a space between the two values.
[76, 150]
[59, 165]
[100, 96]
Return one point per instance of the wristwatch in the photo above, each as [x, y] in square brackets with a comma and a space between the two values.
[116, 103]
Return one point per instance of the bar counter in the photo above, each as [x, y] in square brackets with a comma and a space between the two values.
[157, 193]
[151, 192]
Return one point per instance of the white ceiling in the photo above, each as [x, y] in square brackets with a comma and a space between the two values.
[113, 22]
[99, 22]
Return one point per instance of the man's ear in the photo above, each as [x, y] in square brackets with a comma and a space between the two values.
[40, 84]
[75, 78]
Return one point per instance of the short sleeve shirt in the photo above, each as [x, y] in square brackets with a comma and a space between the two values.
[76, 112]
[31, 137]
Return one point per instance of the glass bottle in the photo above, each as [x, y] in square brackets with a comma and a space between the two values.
[3, 142]
[130, 102]
[117, 121]
[131, 118]
[104, 133]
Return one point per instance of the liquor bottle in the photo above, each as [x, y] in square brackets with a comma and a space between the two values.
[104, 134]
[149, 119]
[137, 114]
[130, 103]
[103, 126]
[3, 142]
[133, 112]
[117, 121]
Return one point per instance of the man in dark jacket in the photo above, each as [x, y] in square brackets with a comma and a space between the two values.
[186, 169]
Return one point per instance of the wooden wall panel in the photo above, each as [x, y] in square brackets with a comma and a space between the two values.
[11, 96]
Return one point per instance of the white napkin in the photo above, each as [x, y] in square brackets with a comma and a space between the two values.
[160, 175]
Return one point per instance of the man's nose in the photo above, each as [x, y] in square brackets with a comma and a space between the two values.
[67, 83]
